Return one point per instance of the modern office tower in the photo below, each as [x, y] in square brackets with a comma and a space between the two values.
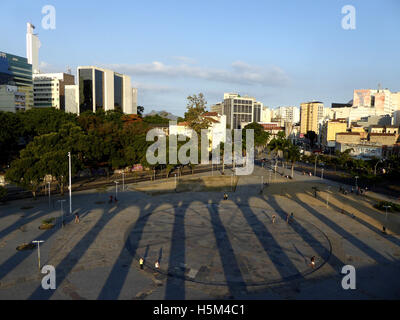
[32, 47]
[49, 89]
[218, 108]
[99, 88]
[16, 71]
[11, 100]
[310, 115]
[238, 109]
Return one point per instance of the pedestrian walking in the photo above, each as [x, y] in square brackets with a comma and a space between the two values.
[77, 217]
[312, 264]
[111, 199]
[157, 265]
[287, 218]
[291, 217]
[273, 218]
[141, 262]
[384, 229]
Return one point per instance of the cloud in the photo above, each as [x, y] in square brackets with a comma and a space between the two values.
[185, 60]
[146, 87]
[240, 73]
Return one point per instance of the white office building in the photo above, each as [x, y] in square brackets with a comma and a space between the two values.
[99, 88]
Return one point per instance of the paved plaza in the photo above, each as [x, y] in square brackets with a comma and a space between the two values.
[207, 247]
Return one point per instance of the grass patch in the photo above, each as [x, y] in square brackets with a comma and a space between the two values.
[26, 207]
[393, 206]
[48, 220]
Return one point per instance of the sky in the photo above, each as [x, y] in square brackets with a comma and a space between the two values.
[280, 52]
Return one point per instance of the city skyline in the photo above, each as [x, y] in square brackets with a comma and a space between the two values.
[284, 58]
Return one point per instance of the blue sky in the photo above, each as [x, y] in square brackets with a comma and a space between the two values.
[281, 52]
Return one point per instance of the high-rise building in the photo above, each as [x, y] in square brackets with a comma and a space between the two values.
[49, 89]
[99, 88]
[239, 110]
[16, 71]
[32, 47]
[310, 115]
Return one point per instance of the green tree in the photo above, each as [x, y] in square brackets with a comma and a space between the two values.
[3, 193]
[47, 154]
[196, 107]
[292, 154]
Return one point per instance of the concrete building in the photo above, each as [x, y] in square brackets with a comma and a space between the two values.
[16, 71]
[32, 47]
[49, 89]
[330, 129]
[287, 114]
[99, 88]
[266, 114]
[239, 110]
[311, 113]
[382, 100]
[11, 100]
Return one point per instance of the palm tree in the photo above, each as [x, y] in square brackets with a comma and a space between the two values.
[292, 154]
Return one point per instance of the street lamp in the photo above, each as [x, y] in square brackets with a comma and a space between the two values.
[116, 189]
[49, 194]
[327, 196]
[62, 212]
[386, 207]
[70, 184]
[315, 165]
[38, 242]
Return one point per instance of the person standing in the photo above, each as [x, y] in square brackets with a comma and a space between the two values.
[157, 265]
[77, 217]
[273, 218]
[312, 264]
[141, 262]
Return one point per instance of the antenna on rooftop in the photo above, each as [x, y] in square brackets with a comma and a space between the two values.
[379, 87]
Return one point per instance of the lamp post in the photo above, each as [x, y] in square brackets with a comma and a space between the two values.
[386, 207]
[322, 173]
[70, 184]
[49, 195]
[116, 189]
[315, 165]
[327, 196]
[356, 182]
[38, 242]
[62, 212]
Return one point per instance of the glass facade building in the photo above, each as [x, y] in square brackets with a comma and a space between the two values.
[99, 89]
[85, 77]
[16, 71]
[118, 92]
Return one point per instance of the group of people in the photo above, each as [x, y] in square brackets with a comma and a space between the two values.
[309, 173]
